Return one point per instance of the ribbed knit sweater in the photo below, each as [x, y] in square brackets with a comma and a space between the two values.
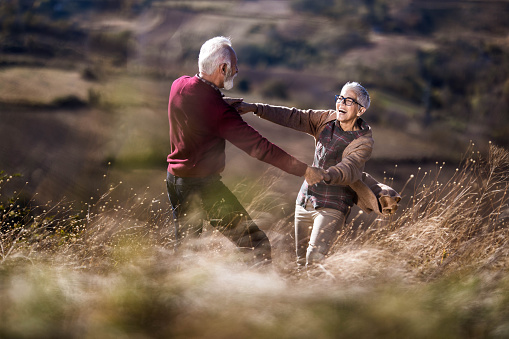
[200, 123]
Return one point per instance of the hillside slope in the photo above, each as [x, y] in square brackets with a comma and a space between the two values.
[120, 117]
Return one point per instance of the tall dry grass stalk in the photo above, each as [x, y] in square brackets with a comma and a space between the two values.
[452, 224]
[436, 269]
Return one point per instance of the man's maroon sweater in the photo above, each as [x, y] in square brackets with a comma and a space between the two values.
[200, 122]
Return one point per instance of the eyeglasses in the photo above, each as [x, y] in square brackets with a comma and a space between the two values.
[346, 101]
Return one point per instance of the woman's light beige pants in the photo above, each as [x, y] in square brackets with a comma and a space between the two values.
[315, 232]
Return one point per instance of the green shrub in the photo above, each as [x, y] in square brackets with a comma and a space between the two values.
[244, 85]
[116, 44]
[275, 89]
[69, 101]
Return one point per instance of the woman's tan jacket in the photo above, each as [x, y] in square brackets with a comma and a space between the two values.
[371, 194]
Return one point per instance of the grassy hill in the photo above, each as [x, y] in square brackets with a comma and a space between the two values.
[433, 89]
[86, 243]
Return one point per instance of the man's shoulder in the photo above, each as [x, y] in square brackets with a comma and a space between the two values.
[192, 86]
[185, 79]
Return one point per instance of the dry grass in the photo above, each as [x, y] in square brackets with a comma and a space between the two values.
[451, 226]
[437, 269]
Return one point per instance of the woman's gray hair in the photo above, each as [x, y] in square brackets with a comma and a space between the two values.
[361, 93]
[213, 53]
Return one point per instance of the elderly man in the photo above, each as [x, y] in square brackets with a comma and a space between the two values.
[343, 143]
[200, 123]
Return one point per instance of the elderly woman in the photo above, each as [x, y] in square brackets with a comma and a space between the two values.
[343, 144]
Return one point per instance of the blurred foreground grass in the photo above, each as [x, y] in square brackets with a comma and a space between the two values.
[438, 269]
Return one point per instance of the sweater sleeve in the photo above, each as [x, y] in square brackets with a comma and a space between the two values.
[349, 170]
[307, 121]
[234, 129]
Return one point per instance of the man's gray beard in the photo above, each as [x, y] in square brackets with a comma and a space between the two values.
[228, 83]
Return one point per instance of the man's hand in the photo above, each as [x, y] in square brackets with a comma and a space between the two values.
[326, 176]
[244, 107]
[314, 175]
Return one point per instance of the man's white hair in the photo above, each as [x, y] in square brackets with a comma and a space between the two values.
[361, 93]
[213, 53]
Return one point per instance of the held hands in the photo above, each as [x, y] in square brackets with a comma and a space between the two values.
[314, 175]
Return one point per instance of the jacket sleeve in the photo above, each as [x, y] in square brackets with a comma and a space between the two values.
[349, 170]
[307, 121]
[388, 198]
[375, 196]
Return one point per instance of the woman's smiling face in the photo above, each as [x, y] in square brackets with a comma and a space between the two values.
[347, 115]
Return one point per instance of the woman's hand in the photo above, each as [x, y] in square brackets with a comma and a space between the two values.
[244, 107]
[232, 101]
[314, 175]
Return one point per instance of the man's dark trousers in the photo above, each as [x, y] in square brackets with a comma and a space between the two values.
[195, 199]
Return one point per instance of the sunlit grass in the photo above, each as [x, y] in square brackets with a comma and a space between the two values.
[436, 269]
